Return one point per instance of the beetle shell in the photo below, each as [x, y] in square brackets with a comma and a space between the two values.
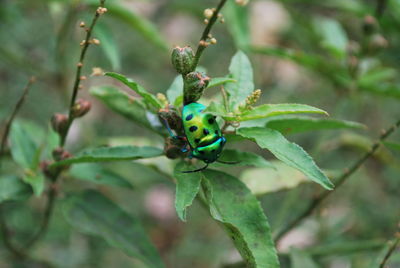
[202, 132]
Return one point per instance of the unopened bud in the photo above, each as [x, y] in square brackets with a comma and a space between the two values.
[172, 117]
[194, 85]
[82, 24]
[242, 2]
[369, 25]
[208, 13]
[173, 147]
[101, 10]
[60, 154]
[81, 108]
[95, 41]
[182, 59]
[59, 123]
[213, 41]
[206, 21]
[97, 71]
[161, 97]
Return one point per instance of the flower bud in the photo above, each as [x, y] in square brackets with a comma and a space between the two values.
[172, 117]
[195, 83]
[182, 59]
[173, 147]
[60, 154]
[81, 108]
[59, 123]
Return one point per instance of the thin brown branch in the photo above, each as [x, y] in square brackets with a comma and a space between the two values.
[206, 32]
[392, 248]
[6, 233]
[318, 199]
[380, 8]
[79, 66]
[52, 193]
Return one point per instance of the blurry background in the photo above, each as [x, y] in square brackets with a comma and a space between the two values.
[331, 54]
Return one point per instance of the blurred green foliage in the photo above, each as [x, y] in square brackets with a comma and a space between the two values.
[335, 55]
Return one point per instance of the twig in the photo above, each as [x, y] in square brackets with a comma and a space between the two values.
[52, 193]
[17, 107]
[391, 248]
[3, 226]
[318, 199]
[205, 34]
[380, 8]
[79, 66]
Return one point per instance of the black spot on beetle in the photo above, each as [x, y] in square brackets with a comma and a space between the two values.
[192, 128]
[206, 131]
[211, 121]
[189, 117]
[197, 140]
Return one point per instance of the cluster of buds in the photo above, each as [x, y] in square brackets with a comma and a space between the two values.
[209, 13]
[163, 99]
[251, 100]
[182, 59]
[60, 154]
[194, 85]
[81, 108]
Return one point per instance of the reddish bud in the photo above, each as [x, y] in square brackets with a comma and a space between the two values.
[59, 122]
[81, 108]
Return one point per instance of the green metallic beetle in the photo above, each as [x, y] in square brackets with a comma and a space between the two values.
[202, 133]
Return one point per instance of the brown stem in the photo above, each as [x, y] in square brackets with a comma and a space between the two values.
[6, 234]
[392, 247]
[77, 82]
[318, 199]
[52, 193]
[205, 34]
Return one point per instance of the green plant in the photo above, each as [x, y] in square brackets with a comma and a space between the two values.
[45, 164]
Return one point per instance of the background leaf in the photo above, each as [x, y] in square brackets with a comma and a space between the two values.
[297, 124]
[121, 103]
[13, 188]
[240, 70]
[147, 97]
[267, 180]
[233, 204]
[187, 187]
[290, 153]
[96, 173]
[36, 180]
[106, 154]
[94, 214]
[108, 44]
[300, 259]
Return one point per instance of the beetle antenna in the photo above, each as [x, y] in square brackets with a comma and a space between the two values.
[196, 170]
[228, 163]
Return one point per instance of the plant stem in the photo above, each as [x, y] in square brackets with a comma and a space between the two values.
[391, 248]
[77, 82]
[52, 193]
[380, 8]
[205, 34]
[6, 234]
[348, 172]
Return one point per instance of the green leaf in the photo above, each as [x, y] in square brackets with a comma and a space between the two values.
[96, 173]
[107, 154]
[290, 153]
[240, 70]
[297, 124]
[13, 188]
[244, 158]
[333, 35]
[392, 145]
[123, 104]
[175, 90]
[267, 180]
[240, 212]
[138, 23]
[187, 187]
[217, 81]
[94, 214]
[263, 111]
[36, 180]
[238, 24]
[108, 44]
[23, 147]
[300, 259]
[147, 97]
